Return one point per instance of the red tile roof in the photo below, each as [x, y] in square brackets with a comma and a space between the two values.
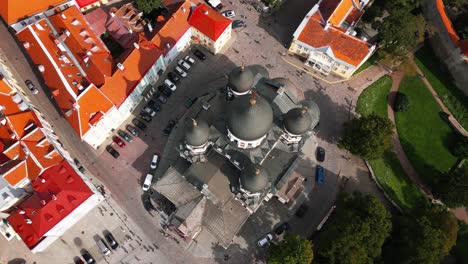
[14, 10]
[58, 192]
[83, 3]
[345, 47]
[208, 21]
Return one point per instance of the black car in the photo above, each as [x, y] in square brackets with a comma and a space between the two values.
[88, 258]
[31, 87]
[153, 105]
[238, 24]
[125, 136]
[282, 227]
[301, 210]
[167, 92]
[167, 131]
[173, 77]
[133, 130]
[145, 116]
[199, 54]
[320, 154]
[111, 240]
[113, 152]
[139, 124]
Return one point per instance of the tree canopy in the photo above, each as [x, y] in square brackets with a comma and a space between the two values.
[452, 188]
[147, 6]
[425, 236]
[291, 250]
[459, 146]
[357, 232]
[368, 136]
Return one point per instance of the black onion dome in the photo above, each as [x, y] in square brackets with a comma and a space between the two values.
[241, 79]
[197, 133]
[254, 178]
[249, 117]
[297, 120]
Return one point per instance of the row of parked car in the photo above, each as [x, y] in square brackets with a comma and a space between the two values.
[103, 247]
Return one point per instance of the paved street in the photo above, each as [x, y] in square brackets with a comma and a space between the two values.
[252, 45]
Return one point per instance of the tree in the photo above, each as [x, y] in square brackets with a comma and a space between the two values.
[401, 102]
[291, 250]
[452, 188]
[357, 231]
[148, 5]
[424, 236]
[459, 146]
[401, 31]
[369, 136]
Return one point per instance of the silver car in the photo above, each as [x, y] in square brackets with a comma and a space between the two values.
[181, 72]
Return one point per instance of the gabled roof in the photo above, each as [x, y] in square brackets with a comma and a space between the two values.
[14, 10]
[58, 192]
[337, 11]
[83, 3]
[208, 21]
[345, 47]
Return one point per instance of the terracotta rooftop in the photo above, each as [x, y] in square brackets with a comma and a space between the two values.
[57, 193]
[345, 47]
[14, 10]
[209, 21]
[83, 3]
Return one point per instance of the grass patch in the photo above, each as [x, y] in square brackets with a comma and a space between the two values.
[423, 133]
[461, 247]
[454, 99]
[371, 61]
[374, 98]
[387, 169]
[113, 46]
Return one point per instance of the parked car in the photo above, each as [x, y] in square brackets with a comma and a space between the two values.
[78, 260]
[139, 124]
[238, 24]
[154, 162]
[119, 142]
[162, 99]
[112, 151]
[265, 240]
[125, 136]
[133, 130]
[31, 87]
[170, 84]
[103, 247]
[153, 105]
[148, 110]
[320, 154]
[301, 210]
[319, 174]
[167, 131]
[173, 77]
[143, 115]
[147, 182]
[199, 54]
[111, 240]
[189, 60]
[181, 72]
[282, 227]
[87, 257]
[229, 13]
[184, 65]
[167, 92]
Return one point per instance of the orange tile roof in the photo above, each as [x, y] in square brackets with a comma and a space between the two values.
[327, 7]
[340, 13]
[21, 120]
[16, 174]
[345, 47]
[14, 10]
[462, 44]
[209, 21]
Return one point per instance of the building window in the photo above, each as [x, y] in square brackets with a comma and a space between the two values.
[343, 72]
[347, 68]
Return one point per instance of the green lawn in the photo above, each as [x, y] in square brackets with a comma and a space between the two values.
[440, 80]
[371, 61]
[461, 248]
[387, 169]
[423, 133]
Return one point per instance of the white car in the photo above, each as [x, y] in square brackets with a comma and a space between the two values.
[265, 240]
[184, 65]
[147, 182]
[170, 85]
[181, 72]
[229, 14]
[154, 162]
[189, 59]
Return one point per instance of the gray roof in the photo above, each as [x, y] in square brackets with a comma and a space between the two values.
[197, 133]
[297, 120]
[249, 117]
[241, 79]
[175, 188]
[254, 178]
[314, 111]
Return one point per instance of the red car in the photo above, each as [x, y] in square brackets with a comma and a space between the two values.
[119, 142]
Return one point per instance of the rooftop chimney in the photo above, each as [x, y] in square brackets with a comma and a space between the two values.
[63, 16]
[21, 212]
[28, 221]
[26, 45]
[41, 68]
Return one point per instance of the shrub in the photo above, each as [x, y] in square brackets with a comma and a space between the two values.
[402, 103]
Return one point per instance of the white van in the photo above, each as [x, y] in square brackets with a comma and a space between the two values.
[184, 65]
[103, 247]
[147, 182]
